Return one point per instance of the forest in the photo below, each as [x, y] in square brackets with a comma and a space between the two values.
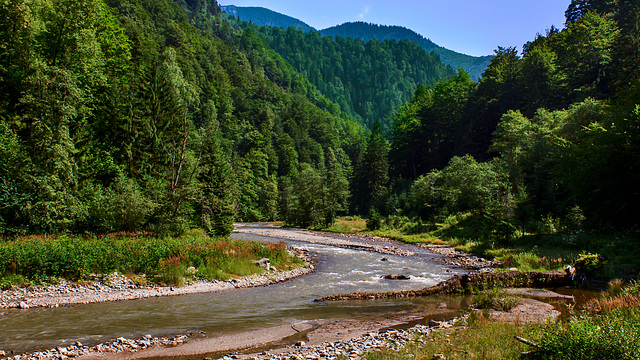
[547, 138]
[157, 116]
[368, 80]
[474, 65]
[163, 116]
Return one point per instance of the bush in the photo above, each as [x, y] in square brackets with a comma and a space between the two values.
[611, 336]
[589, 265]
[497, 300]
[374, 220]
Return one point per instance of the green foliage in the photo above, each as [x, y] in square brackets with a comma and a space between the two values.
[589, 264]
[143, 115]
[365, 32]
[612, 336]
[374, 220]
[496, 299]
[531, 261]
[467, 186]
[371, 173]
[559, 116]
[158, 115]
[165, 259]
[426, 132]
[367, 79]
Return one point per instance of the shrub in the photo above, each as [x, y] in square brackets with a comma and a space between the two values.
[589, 265]
[615, 335]
[497, 300]
[374, 220]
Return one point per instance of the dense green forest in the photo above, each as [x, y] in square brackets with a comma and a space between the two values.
[367, 79]
[128, 115]
[474, 65]
[545, 140]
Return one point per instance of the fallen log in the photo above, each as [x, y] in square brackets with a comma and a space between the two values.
[526, 342]
[468, 283]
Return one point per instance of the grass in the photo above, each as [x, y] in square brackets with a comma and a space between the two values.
[348, 225]
[170, 261]
[610, 330]
[481, 339]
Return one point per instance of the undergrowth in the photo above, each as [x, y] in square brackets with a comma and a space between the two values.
[496, 299]
[171, 261]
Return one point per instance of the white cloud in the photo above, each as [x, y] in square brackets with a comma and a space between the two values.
[364, 12]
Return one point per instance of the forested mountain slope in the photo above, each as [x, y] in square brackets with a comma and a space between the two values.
[474, 65]
[131, 115]
[265, 17]
[367, 79]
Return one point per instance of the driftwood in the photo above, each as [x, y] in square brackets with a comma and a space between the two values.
[468, 283]
[526, 342]
[527, 354]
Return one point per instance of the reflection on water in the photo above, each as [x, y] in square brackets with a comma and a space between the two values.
[340, 271]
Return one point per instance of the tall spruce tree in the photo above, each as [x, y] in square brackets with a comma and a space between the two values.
[371, 173]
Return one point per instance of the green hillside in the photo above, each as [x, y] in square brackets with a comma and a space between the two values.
[474, 65]
[367, 79]
[130, 115]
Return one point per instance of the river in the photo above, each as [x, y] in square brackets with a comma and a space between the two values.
[339, 270]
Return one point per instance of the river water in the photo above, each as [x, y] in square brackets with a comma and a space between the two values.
[339, 271]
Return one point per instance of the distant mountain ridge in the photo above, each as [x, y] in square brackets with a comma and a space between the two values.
[265, 17]
[474, 65]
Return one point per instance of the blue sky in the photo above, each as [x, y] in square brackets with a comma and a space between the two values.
[472, 27]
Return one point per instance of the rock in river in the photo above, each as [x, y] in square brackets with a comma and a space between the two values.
[396, 277]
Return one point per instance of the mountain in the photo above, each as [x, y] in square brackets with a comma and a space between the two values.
[367, 79]
[474, 65]
[265, 17]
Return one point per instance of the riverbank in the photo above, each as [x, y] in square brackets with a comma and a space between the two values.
[443, 254]
[117, 287]
[319, 339]
[330, 338]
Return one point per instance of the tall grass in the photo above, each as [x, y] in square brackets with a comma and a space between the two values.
[481, 339]
[43, 258]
